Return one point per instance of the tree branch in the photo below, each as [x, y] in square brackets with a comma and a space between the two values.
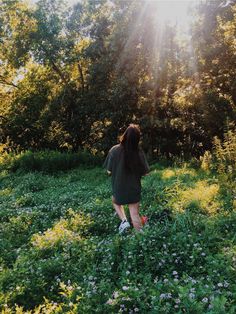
[54, 65]
[81, 76]
[3, 81]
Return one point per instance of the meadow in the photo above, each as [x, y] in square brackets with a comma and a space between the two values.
[60, 251]
[73, 75]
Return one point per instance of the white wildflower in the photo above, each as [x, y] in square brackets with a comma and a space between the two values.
[191, 295]
[115, 294]
[169, 295]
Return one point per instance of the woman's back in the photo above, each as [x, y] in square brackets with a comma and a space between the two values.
[126, 185]
[127, 163]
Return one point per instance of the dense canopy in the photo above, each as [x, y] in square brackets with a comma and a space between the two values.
[74, 76]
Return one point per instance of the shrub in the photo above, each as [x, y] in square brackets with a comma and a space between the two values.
[224, 153]
[48, 161]
[223, 156]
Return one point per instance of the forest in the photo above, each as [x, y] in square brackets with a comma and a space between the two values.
[73, 76]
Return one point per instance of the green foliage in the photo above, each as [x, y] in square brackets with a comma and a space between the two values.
[225, 153]
[70, 78]
[60, 251]
[47, 161]
[223, 157]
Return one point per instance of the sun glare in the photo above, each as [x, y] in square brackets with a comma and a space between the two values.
[174, 12]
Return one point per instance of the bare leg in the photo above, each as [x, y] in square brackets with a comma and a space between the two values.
[134, 214]
[119, 210]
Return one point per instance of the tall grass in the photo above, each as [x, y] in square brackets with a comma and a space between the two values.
[222, 159]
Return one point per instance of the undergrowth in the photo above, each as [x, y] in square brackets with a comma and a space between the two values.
[60, 251]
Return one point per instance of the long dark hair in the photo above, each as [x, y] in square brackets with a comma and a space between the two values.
[130, 142]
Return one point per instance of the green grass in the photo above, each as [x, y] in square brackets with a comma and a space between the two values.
[60, 251]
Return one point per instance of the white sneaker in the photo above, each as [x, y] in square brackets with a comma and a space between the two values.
[123, 226]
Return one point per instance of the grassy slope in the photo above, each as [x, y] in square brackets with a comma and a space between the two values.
[58, 239]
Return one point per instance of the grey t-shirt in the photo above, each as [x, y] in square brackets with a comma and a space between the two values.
[126, 187]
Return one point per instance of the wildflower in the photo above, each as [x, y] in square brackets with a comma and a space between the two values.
[175, 273]
[162, 296]
[136, 309]
[168, 295]
[115, 294]
[125, 288]
[165, 280]
[205, 300]
[191, 295]
[177, 301]
[220, 284]
[109, 301]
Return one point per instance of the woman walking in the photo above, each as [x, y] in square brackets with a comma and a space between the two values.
[126, 163]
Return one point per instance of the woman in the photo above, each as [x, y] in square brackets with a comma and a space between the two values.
[127, 164]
